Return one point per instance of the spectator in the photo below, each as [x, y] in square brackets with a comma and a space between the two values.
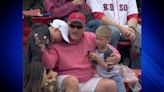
[104, 66]
[36, 79]
[63, 8]
[71, 61]
[33, 69]
[120, 15]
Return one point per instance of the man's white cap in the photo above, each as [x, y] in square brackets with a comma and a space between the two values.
[62, 26]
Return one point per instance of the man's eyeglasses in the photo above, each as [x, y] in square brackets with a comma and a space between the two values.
[76, 25]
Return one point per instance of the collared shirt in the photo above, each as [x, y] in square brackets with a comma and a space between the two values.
[71, 59]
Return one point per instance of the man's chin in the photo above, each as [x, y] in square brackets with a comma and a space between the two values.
[55, 41]
[75, 37]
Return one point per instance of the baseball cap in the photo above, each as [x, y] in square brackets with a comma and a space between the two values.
[77, 16]
[63, 28]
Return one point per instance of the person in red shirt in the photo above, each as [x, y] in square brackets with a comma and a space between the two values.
[71, 62]
[61, 9]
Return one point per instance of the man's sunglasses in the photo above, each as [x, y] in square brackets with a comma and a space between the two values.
[76, 25]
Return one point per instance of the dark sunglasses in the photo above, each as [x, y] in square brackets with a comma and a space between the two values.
[76, 25]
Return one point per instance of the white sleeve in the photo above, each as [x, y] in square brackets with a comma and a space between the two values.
[95, 5]
[132, 7]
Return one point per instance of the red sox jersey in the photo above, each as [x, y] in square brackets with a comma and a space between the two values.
[118, 10]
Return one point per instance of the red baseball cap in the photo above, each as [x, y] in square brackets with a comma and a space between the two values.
[77, 16]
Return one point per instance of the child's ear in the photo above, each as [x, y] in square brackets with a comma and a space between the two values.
[109, 40]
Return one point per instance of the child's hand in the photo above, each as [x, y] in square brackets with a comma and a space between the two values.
[93, 56]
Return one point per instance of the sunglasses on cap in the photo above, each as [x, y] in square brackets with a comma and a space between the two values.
[78, 26]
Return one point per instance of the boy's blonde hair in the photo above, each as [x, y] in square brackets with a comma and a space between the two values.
[104, 31]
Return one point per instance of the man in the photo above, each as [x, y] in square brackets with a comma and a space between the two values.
[71, 62]
[121, 15]
[61, 9]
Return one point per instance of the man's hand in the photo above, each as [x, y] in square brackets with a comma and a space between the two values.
[77, 2]
[128, 32]
[112, 59]
[132, 34]
[110, 65]
[122, 29]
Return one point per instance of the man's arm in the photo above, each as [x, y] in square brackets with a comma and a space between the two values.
[109, 21]
[60, 10]
[105, 19]
[85, 8]
[115, 57]
[126, 31]
[49, 57]
[133, 20]
[132, 17]
[132, 24]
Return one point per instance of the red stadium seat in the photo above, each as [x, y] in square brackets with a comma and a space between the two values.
[34, 18]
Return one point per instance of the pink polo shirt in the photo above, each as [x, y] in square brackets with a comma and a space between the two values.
[71, 59]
